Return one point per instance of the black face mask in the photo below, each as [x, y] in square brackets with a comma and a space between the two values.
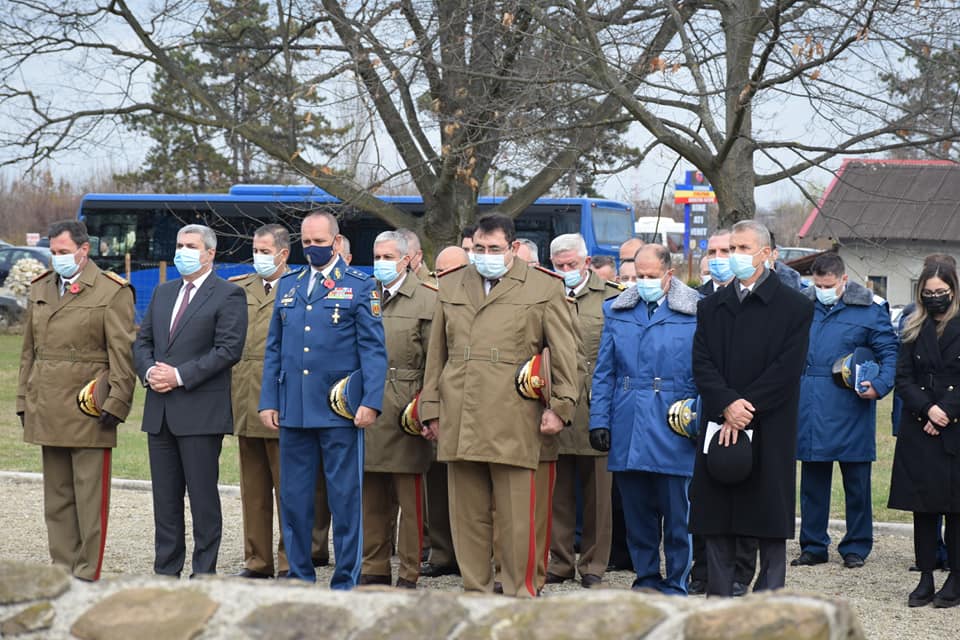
[936, 304]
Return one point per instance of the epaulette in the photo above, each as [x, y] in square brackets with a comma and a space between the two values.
[120, 281]
[619, 286]
[548, 271]
[432, 287]
[42, 276]
[239, 277]
[356, 273]
[299, 273]
[451, 270]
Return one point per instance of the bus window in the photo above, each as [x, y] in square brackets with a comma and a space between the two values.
[612, 226]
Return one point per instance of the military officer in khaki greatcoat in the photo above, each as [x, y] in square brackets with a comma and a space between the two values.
[79, 324]
[493, 316]
[578, 461]
[394, 462]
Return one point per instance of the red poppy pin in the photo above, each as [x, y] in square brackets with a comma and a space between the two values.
[74, 288]
[328, 283]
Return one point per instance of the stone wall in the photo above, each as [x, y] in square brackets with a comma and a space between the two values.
[45, 602]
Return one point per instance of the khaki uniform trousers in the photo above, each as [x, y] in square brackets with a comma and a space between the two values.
[438, 516]
[259, 488]
[474, 487]
[546, 478]
[380, 492]
[596, 484]
[76, 504]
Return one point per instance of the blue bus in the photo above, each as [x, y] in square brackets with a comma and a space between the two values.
[132, 234]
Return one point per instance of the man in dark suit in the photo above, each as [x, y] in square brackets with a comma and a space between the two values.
[718, 259]
[748, 354]
[191, 336]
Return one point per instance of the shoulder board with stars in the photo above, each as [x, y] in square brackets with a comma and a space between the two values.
[42, 276]
[238, 278]
[115, 278]
[553, 274]
[451, 270]
[356, 273]
[619, 286]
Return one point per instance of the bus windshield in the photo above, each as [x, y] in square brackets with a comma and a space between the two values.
[612, 226]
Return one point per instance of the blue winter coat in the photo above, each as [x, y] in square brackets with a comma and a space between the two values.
[643, 366]
[836, 423]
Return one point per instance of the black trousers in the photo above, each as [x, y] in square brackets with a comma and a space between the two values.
[619, 553]
[191, 464]
[722, 560]
[746, 563]
[926, 534]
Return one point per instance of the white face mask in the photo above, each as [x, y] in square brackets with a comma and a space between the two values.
[490, 266]
[264, 265]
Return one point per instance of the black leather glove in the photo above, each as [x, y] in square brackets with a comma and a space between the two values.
[600, 439]
[108, 420]
[20, 415]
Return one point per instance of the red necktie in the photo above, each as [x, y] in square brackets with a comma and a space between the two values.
[183, 306]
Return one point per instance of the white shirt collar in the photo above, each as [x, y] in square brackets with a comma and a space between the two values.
[393, 288]
[199, 281]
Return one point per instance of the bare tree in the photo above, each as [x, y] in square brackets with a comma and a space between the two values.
[716, 95]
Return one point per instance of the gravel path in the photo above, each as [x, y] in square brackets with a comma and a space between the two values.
[877, 592]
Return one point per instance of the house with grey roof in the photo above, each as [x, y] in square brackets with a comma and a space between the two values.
[885, 216]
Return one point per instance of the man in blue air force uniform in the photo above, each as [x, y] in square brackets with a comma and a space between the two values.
[326, 324]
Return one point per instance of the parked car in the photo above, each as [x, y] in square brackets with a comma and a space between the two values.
[788, 254]
[9, 256]
[10, 310]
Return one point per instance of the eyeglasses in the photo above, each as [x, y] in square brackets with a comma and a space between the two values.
[939, 293]
[494, 251]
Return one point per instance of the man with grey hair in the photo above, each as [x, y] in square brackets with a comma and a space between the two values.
[604, 266]
[345, 250]
[415, 252]
[191, 335]
[579, 465]
[748, 355]
[529, 252]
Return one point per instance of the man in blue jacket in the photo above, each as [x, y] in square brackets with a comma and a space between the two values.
[839, 424]
[644, 365]
[326, 324]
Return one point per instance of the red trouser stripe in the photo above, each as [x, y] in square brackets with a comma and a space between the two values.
[104, 508]
[532, 547]
[552, 480]
[418, 486]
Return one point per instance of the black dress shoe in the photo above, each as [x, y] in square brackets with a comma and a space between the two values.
[498, 588]
[403, 583]
[589, 580]
[553, 578]
[923, 594]
[949, 595]
[321, 562]
[366, 578]
[283, 574]
[253, 575]
[807, 559]
[430, 570]
[739, 590]
[696, 587]
[852, 561]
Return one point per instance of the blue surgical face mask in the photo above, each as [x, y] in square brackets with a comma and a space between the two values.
[65, 265]
[742, 265]
[572, 278]
[490, 266]
[264, 265]
[705, 278]
[650, 289]
[827, 297]
[385, 271]
[720, 269]
[187, 261]
[318, 256]
[472, 257]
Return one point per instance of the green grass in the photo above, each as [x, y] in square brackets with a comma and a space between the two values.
[129, 458]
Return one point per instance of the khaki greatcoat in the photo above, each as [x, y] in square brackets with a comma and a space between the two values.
[406, 324]
[476, 344]
[248, 373]
[66, 343]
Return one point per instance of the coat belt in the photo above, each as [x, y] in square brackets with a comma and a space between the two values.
[818, 371]
[73, 355]
[488, 355]
[403, 375]
[657, 384]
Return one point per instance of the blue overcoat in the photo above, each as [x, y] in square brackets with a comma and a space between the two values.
[643, 366]
[835, 423]
[318, 339]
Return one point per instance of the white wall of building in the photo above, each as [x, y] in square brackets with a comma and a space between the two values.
[899, 261]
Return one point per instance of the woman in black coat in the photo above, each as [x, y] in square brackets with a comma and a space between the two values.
[926, 462]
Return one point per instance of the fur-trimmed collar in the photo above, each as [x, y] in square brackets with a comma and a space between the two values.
[680, 298]
[853, 294]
